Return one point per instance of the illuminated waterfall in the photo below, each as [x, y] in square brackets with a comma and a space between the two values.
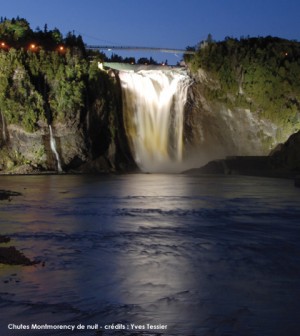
[3, 127]
[153, 107]
[53, 148]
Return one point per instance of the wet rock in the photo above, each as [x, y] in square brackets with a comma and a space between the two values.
[6, 194]
[4, 239]
[213, 167]
[287, 156]
[238, 165]
[11, 256]
[283, 162]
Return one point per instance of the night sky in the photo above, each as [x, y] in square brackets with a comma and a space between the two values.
[160, 23]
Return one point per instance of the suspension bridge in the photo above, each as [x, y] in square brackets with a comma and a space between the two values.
[166, 50]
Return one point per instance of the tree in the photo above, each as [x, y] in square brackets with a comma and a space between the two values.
[209, 38]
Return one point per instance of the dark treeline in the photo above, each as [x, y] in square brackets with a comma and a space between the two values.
[16, 33]
[44, 83]
[46, 77]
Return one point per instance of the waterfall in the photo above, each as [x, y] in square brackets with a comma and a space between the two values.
[53, 148]
[3, 127]
[153, 107]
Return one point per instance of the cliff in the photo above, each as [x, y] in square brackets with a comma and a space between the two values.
[244, 101]
[245, 97]
[69, 93]
[50, 81]
[283, 162]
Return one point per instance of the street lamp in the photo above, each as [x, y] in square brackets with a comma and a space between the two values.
[32, 46]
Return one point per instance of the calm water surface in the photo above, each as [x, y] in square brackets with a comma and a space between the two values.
[204, 255]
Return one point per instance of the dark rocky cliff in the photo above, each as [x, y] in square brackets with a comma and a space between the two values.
[50, 80]
[226, 114]
[89, 132]
[283, 162]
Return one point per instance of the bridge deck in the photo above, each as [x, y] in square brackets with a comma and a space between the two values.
[167, 50]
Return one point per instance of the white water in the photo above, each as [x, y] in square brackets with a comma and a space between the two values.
[3, 127]
[53, 148]
[153, 105]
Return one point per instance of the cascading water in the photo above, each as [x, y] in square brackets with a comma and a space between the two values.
[53, 148]
[153, 106]
[3, 127]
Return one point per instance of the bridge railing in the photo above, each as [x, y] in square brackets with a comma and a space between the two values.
[166, 50]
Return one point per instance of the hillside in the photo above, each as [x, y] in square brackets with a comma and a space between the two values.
[259, 74]
[244, 100]
[46, 79]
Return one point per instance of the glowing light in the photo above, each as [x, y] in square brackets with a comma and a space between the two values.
[100, 66]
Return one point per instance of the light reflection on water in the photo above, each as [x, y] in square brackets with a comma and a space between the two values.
[205, 255]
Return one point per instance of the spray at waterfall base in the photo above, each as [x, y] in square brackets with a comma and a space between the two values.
[170, 131]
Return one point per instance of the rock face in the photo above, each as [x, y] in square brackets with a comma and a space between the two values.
[89, 142]
[283, 162]
[243, 102]
[287, 155]
[32, 151]
[59, 112]
[90, 137]
[213, 130]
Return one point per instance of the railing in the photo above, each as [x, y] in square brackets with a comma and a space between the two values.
[166, 50]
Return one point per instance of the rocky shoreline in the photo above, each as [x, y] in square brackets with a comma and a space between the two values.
[283, 162]
[7, 194]
[9, 255]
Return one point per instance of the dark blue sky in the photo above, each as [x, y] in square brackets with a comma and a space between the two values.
[160, 23]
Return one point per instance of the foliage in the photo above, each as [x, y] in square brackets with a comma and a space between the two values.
[41, 86]
[16, 33]
[15, 30]
[262, 74]
[45, 85]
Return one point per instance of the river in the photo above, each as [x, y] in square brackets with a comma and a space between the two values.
[189, 255]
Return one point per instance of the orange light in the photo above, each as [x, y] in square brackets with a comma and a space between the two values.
[2, 44]
[61, 49]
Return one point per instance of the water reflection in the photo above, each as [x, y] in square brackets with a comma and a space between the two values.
[204, 255]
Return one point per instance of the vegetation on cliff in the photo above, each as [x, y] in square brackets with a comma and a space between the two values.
[40, 86]
[47, 79]
[42, 76]
[260, 74]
